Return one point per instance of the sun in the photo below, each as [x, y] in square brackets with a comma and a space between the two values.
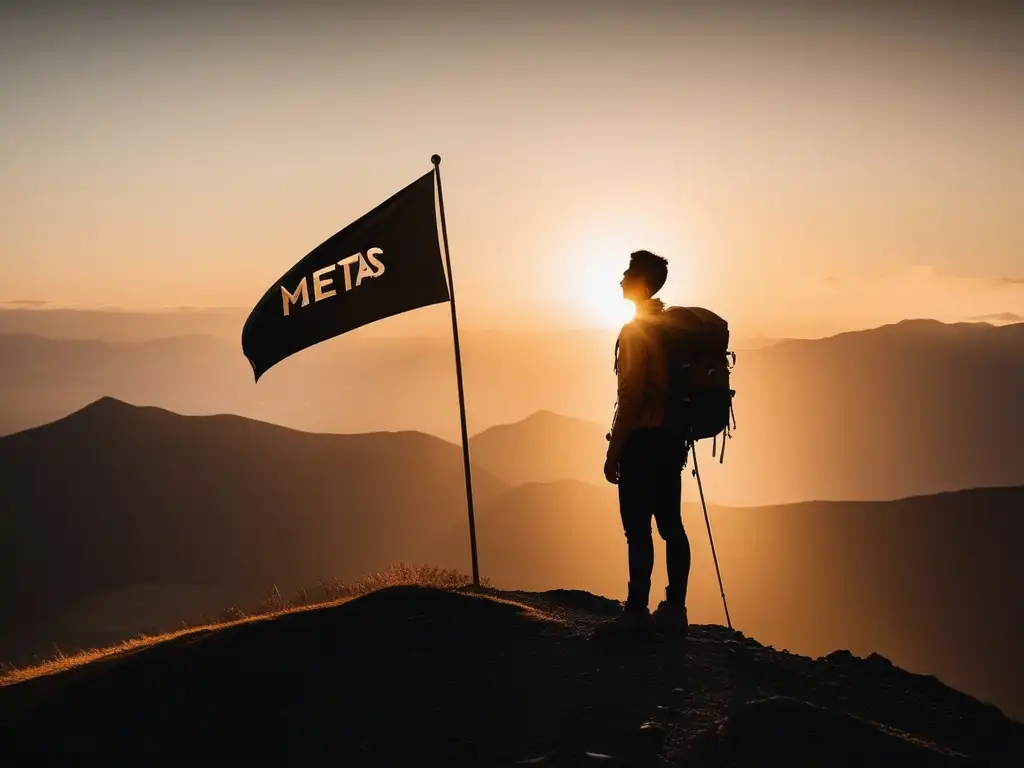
[598, 251]
[602, 303]
[620, 312]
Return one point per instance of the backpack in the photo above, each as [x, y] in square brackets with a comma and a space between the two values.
[699, 404]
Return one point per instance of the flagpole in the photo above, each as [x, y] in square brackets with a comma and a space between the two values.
[436, 160]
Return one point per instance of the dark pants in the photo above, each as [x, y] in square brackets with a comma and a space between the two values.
[650, 486]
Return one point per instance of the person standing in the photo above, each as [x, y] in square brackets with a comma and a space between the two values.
[643, 460]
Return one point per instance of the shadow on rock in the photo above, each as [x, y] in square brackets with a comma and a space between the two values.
[790, 732]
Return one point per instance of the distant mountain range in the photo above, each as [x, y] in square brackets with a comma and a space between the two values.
[911, 409]
[542, 447]
[119, 519]
[914, 408]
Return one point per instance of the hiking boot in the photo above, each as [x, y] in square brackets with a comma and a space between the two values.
[632, 621]
[671, 616]
[634, 615]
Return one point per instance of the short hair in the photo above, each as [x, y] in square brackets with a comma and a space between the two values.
[651, 267]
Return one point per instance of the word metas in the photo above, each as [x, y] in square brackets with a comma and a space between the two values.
[322, 285]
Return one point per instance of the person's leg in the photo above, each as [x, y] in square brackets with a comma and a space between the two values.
[635, 507]
[666, 485]
[667, 507]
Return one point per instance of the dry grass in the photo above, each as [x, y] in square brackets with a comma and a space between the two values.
[331, 592]
[401, 574]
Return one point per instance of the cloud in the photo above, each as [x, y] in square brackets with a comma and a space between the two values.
[24, 303]
[1000, 317]
[1012, 280]
[812, 305]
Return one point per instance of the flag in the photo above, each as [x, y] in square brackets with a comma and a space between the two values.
[385, 263]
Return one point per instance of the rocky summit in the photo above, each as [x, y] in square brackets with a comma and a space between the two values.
[418, 676]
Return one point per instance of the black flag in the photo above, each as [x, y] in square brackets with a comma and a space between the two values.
[385, 263]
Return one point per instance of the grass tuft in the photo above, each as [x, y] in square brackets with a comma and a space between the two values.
[333, 592]
[399, 575]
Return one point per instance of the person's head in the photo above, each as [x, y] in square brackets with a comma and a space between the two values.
[644, 277]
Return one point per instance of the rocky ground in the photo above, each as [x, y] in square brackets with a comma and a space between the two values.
[416, 676]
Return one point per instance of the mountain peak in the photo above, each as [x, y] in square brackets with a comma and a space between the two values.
[108, 407]
[106, 412]
[108, 403]
[546, 417]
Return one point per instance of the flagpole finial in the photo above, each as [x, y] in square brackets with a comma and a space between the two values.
[435, 159]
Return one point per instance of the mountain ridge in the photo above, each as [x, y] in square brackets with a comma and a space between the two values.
[560, 689]
[873, 414]
[875, 575]
[117, 498]
[106, 407]
[115, 512]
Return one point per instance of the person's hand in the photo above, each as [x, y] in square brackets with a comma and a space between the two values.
[611, 469]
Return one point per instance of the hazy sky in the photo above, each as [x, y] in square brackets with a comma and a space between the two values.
[803, 172]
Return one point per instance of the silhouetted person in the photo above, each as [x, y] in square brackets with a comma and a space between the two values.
[642, 459]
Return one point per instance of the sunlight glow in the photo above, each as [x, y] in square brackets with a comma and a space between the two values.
[599, 259]
[600, 301]
[618, 312]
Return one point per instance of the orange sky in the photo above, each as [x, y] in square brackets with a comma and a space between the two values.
[804, 173]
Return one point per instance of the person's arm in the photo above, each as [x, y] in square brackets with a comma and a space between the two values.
[632, 369]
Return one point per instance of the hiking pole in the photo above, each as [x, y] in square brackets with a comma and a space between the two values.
[707, 521]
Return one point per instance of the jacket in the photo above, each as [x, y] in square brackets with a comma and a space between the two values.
[642, 375]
